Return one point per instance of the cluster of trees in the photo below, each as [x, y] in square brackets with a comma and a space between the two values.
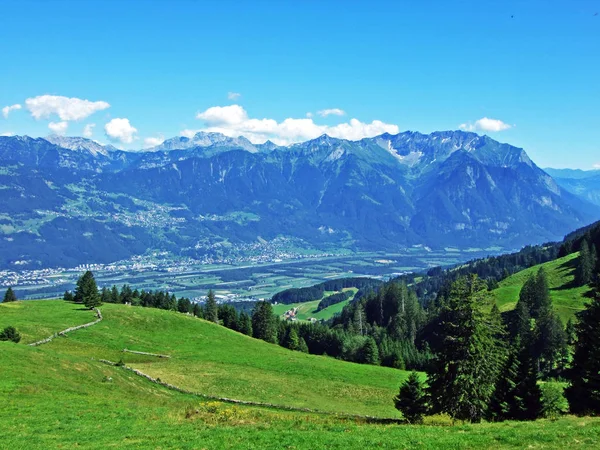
[310, 293]
[489, 367]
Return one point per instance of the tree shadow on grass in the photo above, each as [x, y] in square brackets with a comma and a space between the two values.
[569, 266]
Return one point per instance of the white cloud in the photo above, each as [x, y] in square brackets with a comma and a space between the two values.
[596, 166]
[153, 141]
[7, 133]
[331, 112]
[233, 95]
[65, 108]
[233, 121]
[485, 124]
[88, 130]
[120, 130]
[224, 115]
[309, 114]
[7, 109]
[58, 127]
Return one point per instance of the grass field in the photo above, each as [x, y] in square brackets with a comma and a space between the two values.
[60, 396]
[566, 298]
[306, 310]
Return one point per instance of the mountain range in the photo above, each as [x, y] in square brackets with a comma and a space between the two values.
[69, 200]
[583, 183]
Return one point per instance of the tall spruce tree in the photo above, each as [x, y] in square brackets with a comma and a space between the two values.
[517, 395]
[9, 296]
[264, 322]
[245, 324]
[211, 310]
[411, 401]
[541, 295]
[463, 375]
[583, 393]
[500, 404]
[585, 265]
[86, 291]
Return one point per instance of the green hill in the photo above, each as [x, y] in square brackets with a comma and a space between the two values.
[59, 395]
[566, 298]
[307, 310]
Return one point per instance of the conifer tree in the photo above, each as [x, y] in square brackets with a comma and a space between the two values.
[105, 296]
[87, 290]
[370, 352]
[292, 341]
[264, 323]
[500, 404]
[228, 316]
[411, 401]
[302, 347]
[583, 393]
[525, 398]
[585, 265]
[9, 296]
[541, 295]
[245, 324]
[211, 310]
[10, 334]
[114, 295]
[68, 296]
[198, 311]
[463, 375]
[527, 293]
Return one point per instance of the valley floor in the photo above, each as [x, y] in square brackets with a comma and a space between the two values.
[59, 395]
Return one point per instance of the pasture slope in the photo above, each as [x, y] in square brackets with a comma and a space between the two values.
[567, 298]
[59, 395]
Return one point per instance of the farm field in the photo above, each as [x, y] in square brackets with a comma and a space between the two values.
[60, 395]
[566, 298]
[234, 282]
[308, 310]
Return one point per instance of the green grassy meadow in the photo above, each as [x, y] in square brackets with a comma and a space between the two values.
[306, 310]
[59, 395]
[566, 298]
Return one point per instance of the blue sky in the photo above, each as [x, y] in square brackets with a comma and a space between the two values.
[167, 68]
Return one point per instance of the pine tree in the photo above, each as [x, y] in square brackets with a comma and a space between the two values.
[198, 311]
[583, 393]
[105, 296]
[550, 341]
[245, 324]
[211, 310]
[370, 352]
[264, 323]
[541, 298]
[292, 340]
[525, 399]
[114, 294]
[302, 347]
[585, 265]
[9, 296]
[184, 305]
[87, 291]
[228, 316]
[412, 399]
[10, 334]
[68, 296]
[501, 399]
[463, 376]
[527, 293]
